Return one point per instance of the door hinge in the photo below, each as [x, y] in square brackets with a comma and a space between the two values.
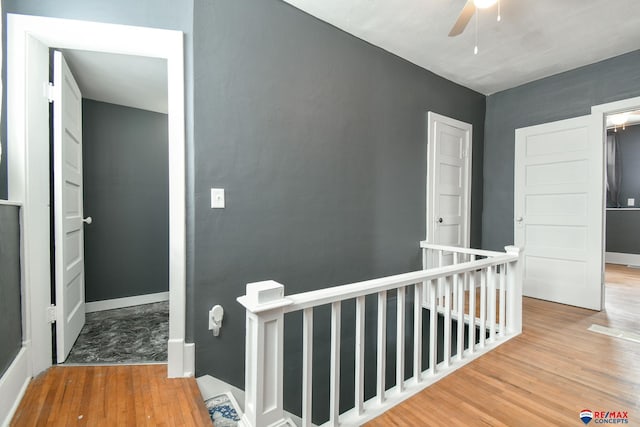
[49, 92]
[51, 314]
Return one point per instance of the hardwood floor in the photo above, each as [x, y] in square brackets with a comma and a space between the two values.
[125, 395]
[547, 375]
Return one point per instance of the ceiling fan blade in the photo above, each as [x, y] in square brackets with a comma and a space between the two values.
[465, 16]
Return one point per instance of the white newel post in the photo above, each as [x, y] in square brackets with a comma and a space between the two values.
[264, 302]
[514, 291]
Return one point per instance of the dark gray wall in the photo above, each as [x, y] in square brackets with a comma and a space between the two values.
[623, 226]
[126, 192]
[562, 96]
[623, 229]
[320, 142]
[11, 324]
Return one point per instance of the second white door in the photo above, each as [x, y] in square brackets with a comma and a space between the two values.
[448, 181]
[558, 211]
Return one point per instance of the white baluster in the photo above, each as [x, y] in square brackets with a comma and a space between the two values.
[359, 397]
[382, 344]
[456, 258]
[460, 323]
[514, 291]
[307, 365]
[491, 299]
[441, 280]
[472, 311]
[334, 379]
[433, 326]
[483, 306]
[417, 331]
[447, 321]
[400, 299]
[502, 299]
[425, 265]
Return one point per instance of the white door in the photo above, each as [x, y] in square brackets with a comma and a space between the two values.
[68, 223]
[558, 211]
[448, 181]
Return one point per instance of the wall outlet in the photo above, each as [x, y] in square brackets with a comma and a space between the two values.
[631, 202]
[217, 198]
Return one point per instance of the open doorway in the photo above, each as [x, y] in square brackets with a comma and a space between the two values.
[28, 41]
[622, 214]
[123, 196]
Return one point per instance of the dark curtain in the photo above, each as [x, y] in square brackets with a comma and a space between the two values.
[614, 172]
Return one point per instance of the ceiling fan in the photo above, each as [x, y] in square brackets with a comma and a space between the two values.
[467, 13]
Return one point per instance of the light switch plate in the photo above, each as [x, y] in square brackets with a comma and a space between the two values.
[631, 202]
[217, 198]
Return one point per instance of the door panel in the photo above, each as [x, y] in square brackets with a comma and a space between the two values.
[69, 233]
[558, 212]
[448, 182]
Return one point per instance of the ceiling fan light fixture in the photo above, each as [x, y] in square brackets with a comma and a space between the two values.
[619, 119]
[483, 4]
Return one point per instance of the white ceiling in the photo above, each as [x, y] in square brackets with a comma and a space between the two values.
[536, 38]
[132, 81]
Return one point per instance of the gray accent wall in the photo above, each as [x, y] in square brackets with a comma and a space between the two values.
[562, 96]
[126, 192]
[623, 229]
[623, 226]
[11, 324]
[320, 142]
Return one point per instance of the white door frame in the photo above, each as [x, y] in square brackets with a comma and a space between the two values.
[598, 124]
[28, 168]
[430, 216]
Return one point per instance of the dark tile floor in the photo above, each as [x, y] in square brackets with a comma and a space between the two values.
[125, 335]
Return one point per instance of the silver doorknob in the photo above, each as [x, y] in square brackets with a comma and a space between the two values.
[87, 220]
[440, 220]
[519, 219]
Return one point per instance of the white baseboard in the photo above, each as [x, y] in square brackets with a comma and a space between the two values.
[13, 384]
[620, 258]
[111, 304]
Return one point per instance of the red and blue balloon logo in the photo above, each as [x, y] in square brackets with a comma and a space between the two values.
[586, 416]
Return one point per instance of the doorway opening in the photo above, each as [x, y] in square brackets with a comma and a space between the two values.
[122, 192]
[622, 212]
[28, 41]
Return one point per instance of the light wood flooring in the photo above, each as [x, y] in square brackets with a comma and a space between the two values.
[543, 377]
[125, 395]
[547, 375]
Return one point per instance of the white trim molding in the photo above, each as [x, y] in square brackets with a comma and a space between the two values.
[623, 259]
[598, 134]
[28, 173]
[13, 384]
[111, 304]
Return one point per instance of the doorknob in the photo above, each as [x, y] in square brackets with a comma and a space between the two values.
[519, 219]
[87, 220]
[440, 220]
